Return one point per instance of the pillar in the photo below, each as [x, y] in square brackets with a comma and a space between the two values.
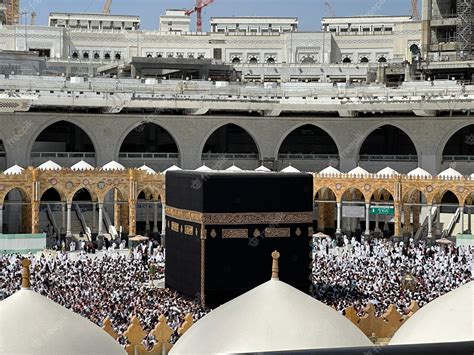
[426, 15]
[469, 219]
[339, 214]
[34, 216]
[397, 218]
[367, 219]
[93, 216]
[132, 218]
[1, 219]
[63, 218]
[163, 219]
[155, 217]
[68, 220]
[116, 211]
[438, 220]
[462, 218]
[147, 217]
[377, 229]
[100, 230]
[430, 221]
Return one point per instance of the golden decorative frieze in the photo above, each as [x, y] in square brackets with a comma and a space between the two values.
[184, 215]
[235, 233]
[277, 232]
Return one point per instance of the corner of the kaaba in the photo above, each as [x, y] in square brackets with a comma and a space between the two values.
[223, 227]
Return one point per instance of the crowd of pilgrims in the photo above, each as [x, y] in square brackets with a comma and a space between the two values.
[375, 271]
[117, 284]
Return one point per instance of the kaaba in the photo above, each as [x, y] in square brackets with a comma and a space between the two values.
[221, 228]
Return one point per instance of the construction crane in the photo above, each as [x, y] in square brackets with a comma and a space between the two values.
[414, 10]
[12, 13]
[33, 18]
[329, 11]
[200, 4]
[106, 8]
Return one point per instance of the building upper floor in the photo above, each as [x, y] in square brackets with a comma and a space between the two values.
[254, 24]
[87, 21]
[363, 25]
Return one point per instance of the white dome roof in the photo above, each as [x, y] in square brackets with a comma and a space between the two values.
[290, 169]
[172, 168]
[330, 171]
[113, 165]
[419, 172]
[272, 317]
[204, 168]
[449, 173]
[234, 168]
[82, 166]
[358, 171]
[388, 171]
[26, 314]
[49, 165]
[148, 170]
[449, 318]
[263, 169]
[14, 170]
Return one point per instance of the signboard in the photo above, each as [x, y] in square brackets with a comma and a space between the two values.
[353, 211]
[382, 210]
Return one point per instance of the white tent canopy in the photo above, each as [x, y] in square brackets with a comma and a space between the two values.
[263, 169]
[290, 169]
[234, 168]
[449, 173]
[172, 168]
[82, 166]
[388, 171]
[49, 165]
[329, 171]
[419, 172]
[147, 169]
[14, 170]
[113, 165]
[204, 168]
[358, 171]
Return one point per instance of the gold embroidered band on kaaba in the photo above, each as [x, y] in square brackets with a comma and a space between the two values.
[274, 218]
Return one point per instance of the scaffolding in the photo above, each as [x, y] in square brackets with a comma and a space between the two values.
[465, 27]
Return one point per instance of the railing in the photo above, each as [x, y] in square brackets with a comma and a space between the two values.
[52, 219]
[468, 158]
[229, 156]
[370, 157]
[82, 220]
[307, 156]
[62, 155]
[447, 232]
[148, 155]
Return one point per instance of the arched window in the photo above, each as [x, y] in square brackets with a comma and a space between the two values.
[85, 55]
[347, 60]
[270, 60]
[364, 60]
[236, 60]
[118, 56]
[382, 60]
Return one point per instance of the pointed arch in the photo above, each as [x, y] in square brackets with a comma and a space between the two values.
[232, 139]
[460, 143]
[308, 139]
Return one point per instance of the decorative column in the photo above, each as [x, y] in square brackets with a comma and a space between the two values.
[100, 230]
[469, 219]
[155, 217]
[63, 217]
[397, 218]
[147, 217]
[132, 218]
[438, 220]
[367, 219]
[339, 213]
[1, 218]
[68, 223]
[163, 219]
[430, 222]
[93, 216]
[116, 212]
[462, 218]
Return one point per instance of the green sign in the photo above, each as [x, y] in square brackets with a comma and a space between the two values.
[382, 210]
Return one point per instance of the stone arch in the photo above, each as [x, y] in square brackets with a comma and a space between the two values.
[328, 146]
[84, 128]
[411, 146]
[236, 60]
[148, 190]
[459, 141]
[231, 124]
[347, 60]
[24, 193]
[357, 195]
[364, 59]
[51, 189]
[16, 212]
[73, 194]
[325, 201]
[448, 196]
[295, 128]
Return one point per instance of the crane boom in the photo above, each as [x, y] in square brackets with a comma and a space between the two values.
[106, 8]
[200, 4]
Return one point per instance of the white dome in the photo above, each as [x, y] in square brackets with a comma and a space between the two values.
[272, 317]
[82, 166]
[449, 173]
[330, 171]
[447, 319]
[49, 165]
[234, 169]
[388, 171]
[172, 168]
[204, 168]
[147, 169]
[113, 165]
[419, 172]
[263, 169]
[14, 170]
[290, 169]
[358, 171]
[28, 318]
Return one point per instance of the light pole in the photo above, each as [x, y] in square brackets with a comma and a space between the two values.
[26, 30]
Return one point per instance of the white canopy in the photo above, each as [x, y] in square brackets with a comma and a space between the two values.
[49, 165]
[290, 169]
[263, 169]
[447, 319]
[271, 317]
[14, 170]
[172, 168]
[358, 171]
[419, 172]
[388, 171]
[330, 171]
[26, 312]
[234, 168]
[82, 166]
[449, 173]
[148, 170]
[113, 165]
[472, 177]
[204, 168]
